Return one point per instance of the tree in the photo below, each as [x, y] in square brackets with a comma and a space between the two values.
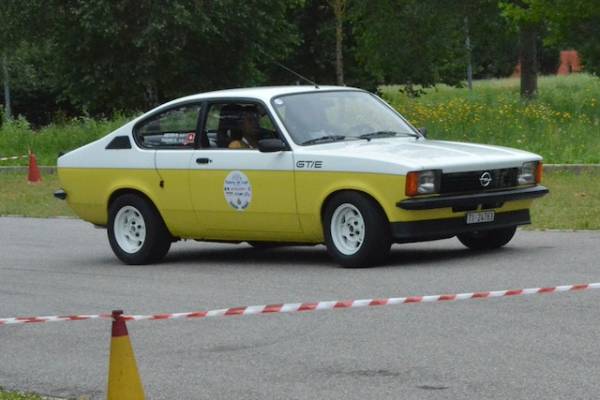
[424, 41]
[528, 15]
[410, 42]
[576, 24]
[339, 10]
[106, 56]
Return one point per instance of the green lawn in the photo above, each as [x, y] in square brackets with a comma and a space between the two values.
[573, 203]
[562, 124]
[18, 396]
[18, 197]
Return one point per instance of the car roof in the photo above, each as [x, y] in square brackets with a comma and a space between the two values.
[265, 93]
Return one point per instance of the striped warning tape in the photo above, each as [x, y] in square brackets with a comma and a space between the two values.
[14, 157]
[301, 307]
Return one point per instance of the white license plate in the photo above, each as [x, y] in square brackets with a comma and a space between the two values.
[480, 217]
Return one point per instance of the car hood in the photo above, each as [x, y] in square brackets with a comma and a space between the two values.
[420, 154]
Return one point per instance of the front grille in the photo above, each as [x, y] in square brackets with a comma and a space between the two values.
[464, 182]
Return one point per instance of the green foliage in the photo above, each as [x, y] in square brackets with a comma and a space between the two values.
[17, 137]
[423, 41]
[411, 42]
[18, 396]
[100, 57]
[107, 56]
[576, 24]
[562, 124]
[525, 12]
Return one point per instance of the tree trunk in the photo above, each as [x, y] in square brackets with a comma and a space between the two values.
[469, 55]
[338, 10]
[528, 56]
[6, 79]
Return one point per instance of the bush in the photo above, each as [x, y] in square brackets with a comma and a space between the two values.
[17, 137]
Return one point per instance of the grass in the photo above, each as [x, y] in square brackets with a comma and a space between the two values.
[562, 124]
[17, 197]
[573, 203]
[18, 396]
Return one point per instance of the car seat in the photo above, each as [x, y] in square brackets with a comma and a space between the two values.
[229, 121]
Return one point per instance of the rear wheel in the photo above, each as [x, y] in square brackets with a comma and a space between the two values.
[356, 230]
[488, 239]
[136, 232]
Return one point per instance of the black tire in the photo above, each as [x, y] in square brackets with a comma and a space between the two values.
[157, 239]
[376, 244]
[487, 239]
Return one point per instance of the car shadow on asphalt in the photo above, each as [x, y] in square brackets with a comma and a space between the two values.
[400, 256]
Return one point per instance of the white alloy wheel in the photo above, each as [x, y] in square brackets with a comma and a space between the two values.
[130, 229]
[347, 229]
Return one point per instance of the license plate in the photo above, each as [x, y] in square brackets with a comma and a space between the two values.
[480, 217]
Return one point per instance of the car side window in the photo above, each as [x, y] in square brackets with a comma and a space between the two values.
[237, 126]
[174, 128]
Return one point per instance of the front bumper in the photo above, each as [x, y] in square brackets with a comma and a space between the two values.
[418, 231]
[472, 201]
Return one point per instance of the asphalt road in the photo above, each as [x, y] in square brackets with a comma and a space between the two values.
[539, 347]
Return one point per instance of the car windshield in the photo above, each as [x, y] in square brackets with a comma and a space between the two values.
[323, 117]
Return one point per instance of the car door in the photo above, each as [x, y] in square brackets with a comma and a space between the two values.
[171, 133]
[242, 194]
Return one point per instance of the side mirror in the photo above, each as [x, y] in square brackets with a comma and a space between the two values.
[271, 145]
[423, 131]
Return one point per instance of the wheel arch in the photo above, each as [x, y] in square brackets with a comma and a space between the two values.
[128, 190]
[332, 194]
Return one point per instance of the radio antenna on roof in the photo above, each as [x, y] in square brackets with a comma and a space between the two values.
[297, 74]
[280, 65]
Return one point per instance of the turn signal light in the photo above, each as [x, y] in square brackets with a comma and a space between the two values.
[539, 172]
[412, 184]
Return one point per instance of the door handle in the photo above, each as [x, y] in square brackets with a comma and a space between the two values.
[203, 160]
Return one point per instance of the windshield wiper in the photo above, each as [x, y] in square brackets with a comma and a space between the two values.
[372, 135]
[325, 139]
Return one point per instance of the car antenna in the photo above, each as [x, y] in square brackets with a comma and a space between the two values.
[280, 65]
[297, 74]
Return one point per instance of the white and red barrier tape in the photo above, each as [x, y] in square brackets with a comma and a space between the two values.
[13, 157]
[301, 307]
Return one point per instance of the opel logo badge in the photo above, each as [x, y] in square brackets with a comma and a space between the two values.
[485, 179]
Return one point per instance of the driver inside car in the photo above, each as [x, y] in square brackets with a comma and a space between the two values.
[248, 135]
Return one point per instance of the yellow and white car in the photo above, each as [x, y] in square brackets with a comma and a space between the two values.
[299, 164]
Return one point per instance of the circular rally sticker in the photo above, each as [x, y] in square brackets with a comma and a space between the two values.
[237, 190]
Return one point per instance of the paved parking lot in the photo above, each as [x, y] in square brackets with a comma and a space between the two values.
[528, 347]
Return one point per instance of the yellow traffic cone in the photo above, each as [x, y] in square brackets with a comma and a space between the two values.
[124, 381]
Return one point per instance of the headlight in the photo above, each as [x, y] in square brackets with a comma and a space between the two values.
[423, 182]
[530, 173]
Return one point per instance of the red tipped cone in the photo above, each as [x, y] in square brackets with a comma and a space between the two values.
[123, 378]
[33, 175]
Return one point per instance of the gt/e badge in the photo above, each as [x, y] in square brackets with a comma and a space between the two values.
[309, 164]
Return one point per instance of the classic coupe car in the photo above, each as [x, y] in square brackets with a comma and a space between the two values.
[294, 165]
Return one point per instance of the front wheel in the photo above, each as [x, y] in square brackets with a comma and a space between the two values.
[356, 230]
[136, 232]
[488, 239]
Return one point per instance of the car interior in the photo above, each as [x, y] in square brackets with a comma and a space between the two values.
[225, 124]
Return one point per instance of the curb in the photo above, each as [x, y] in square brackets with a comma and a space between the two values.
[574, 168]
